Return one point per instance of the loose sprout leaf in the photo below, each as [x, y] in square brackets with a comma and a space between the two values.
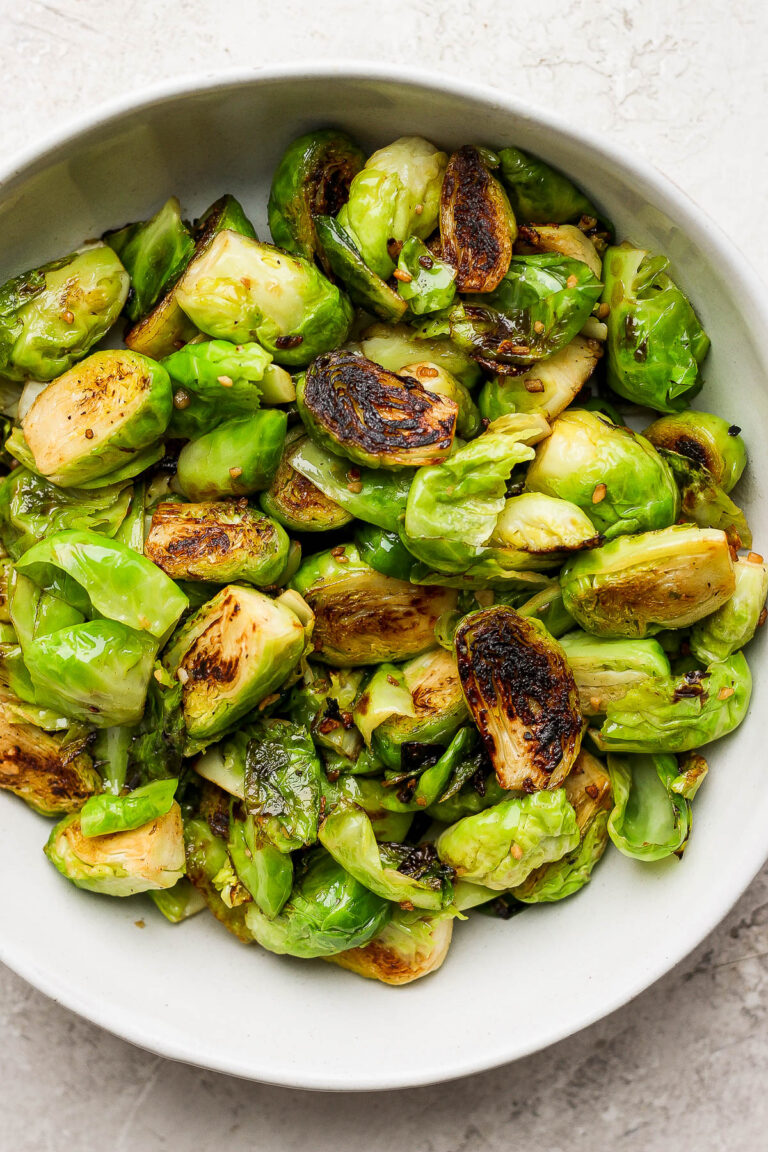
[154, 253]
[105, 814]
[32, 508]
[649, 820]
[283, 784]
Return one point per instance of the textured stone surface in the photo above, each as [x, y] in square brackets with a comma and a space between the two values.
[684, 84]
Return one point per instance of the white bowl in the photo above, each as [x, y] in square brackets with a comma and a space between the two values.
[192, 992]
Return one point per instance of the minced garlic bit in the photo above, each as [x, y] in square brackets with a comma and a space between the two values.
[755, 558]
[516, 851]
[235, 473]
[402, 275]
[68, 317]
[225, 381]
[534, 385]
[725, 692]
[182, 675]
[571, 282]
[599, 493]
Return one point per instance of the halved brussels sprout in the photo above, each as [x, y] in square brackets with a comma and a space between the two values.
[362, 617]
[32, 508]
[51, 316]
[217, 542]
[395, 345]
[283, 783]
[294, 501]
[566, 239]
[121, 863]
[230, 655]
[50, 775]
[385, 695]
[238, 457]
[706, 440]
[541, 194]
[547, 606]
[440, 383]
[548, 387]
[239, 289]
[89, 422]
[328, 911]
[477, 225]
[438, 707]
[374, 495]
[502, 845]
[410, 946]
[374, 417]
[649, 820]
[734, 624]
[178, 903]
[543, 527]
[311, 180]
[638, 585]
[424, 281]
[613, 474]
[384, 551]
[522, 696]
[154, 253]
[605, 670]
[365, 288]
[655, 341]
[704, 503]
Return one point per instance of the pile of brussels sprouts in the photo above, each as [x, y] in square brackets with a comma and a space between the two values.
[340, 599]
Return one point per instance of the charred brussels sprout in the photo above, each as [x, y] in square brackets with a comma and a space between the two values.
[362, 617]
[548, 388]
[638, 585]
[477, 225]
[425, 282]
[616, 476]
[238, 457]
[96, 419]
[733, 624]
[154, 253]
[230, 655]
[241, 290]
[365, 288]
[522, 696]
[655, 341]
[217, 542]
[297, 503]
[440, 383]
[541, 194]
[410, 946]
[311, 180]
[704, 503]
[393, 346]
[385, 695]
[31, 508]
[265, 871]
[121, 863]
[374, 417]
[51, 316]
[649, 820]
[50, 775]
[605, 670]
[706, 440]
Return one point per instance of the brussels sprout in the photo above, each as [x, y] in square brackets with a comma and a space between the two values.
[154, 253]
[410, 946]
[547, 606]
[540, 194]
[371, 494]
[328, 911]
[311, 180]
[178, 903]
[440, 383]
[537, 309]
[693, 768]
[393, 346]
[638, 585]
[156, 746]
[566, 239]
[230, 655]
[210, 869]
[396, 195]
[356, 409]
[398, 872]
[241, 290]
[93, 419]
[384, 551]
[34, 612]
[265, 871]
[605, 670]
[675, 715]
[424, 281]
[544, 528]
[217, 542]
[613, 474]
[548, 387]
[50, 775]
[655, 341]
[31, 508]
[283, 783]
[477, 225]
[702, 502]
[323, 703]
[502, 845]
[385, 695]
[121, 863]
[236, 458]
[733, 624]
[708, 441]
[362, 617]
[649, 820]
[104, 814]
[364, 287]
[294, 501]
[482, 790]
[437, 707]
[522, 696]
[51, 316]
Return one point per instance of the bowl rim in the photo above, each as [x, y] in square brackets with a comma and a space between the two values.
[696, 223]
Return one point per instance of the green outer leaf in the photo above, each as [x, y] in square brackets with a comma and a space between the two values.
[254, 444]
[178, 903]
[154, 252]
[364, 287]
[283, 779]
[734, 624]
[31, 508]
[103, 814]
[381, 497]
[649, 821]
[566, 876]
[196, 373]
[265, 871]
[432, 285]
[539, 193]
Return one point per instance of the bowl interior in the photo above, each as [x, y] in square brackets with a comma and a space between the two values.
[192, 991]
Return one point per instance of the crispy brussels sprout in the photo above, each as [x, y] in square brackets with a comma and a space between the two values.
[374, 495]
[410, 946]
[424, 281]
[566, 239]
[106, 813]
[707, 440]
[241, 290]
[51, 316]
[502, 845]
[328, 911]
[655, 341]
[121, 863]
[543, 527]
[649, 820]
[638, 585]
[396, 195]
[395, 345]
[540, 194]
[704, 503]
[614, 475]
[283, 783]
[92, 420]
[362, 617]
[384, 551]
[230, 655]
[238, 457]
[364, 287]
[373, 417]
[522, 696]
[605, 670]
[437, 707]
[537, 309]
[217, 542]
[678, 714]
[311, 180]
[50, 775]
[265, 871]
[385, 695]
[178, 903]
[733, 624]
[294, 501]
[547, 606]
[440, 383]
[154, 253]
[477, 225]
[32, 508]
[548, 387]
